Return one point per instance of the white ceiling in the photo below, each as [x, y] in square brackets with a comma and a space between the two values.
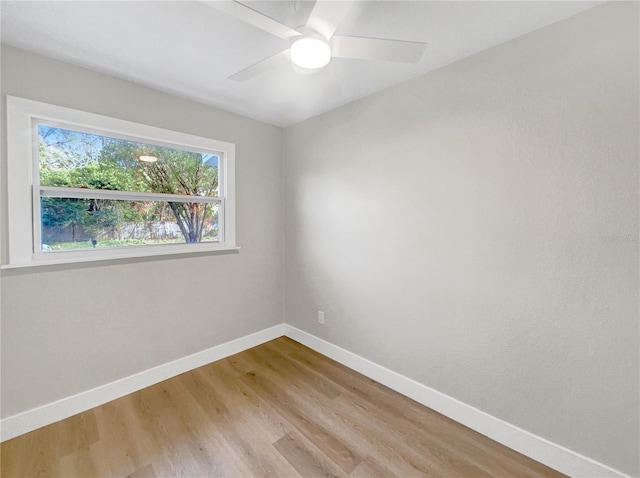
[189, 48]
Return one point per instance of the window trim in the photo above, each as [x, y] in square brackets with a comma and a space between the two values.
[23, 183]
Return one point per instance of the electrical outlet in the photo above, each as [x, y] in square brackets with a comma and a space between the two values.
[320, 317]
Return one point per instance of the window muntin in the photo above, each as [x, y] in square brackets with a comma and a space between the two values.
[83, 172]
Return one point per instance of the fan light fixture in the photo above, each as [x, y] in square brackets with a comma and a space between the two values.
[310, 52]
[314, 44]
[147, 159]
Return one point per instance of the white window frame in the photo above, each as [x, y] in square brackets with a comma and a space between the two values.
[24, 189]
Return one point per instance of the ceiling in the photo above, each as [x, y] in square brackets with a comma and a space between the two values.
[189, 48]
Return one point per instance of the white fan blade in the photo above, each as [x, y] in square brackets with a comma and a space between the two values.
[377, 49]
[327, 15]
[253, 17]
[262, 66]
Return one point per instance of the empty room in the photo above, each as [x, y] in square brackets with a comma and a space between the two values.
[320, 238]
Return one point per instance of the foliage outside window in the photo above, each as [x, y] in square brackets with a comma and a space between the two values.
[96, 191]
[74, 159]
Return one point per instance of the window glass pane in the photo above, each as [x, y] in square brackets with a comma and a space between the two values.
[83, 160]
[72, 223]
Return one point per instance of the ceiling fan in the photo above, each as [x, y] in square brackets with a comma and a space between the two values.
[314, 44]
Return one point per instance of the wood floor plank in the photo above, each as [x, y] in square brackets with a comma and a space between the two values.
[78, 463]
[358, 433]
[116, 441]
[369, 467]
[32, 455]
[176, 434]
[279, 409]
[304, 459]
[246, 406]
[77, 432]
[280, 361]
[240, 423]
[338, 451]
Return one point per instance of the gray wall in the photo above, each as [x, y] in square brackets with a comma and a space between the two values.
[453, 229]
[67, 329]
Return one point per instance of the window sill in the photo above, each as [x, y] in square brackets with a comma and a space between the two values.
[115, 255]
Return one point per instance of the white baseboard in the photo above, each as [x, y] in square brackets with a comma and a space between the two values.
[533, 446]
[30, 420]
[540, 449]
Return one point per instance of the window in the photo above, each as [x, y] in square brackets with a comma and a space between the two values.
[88, 187]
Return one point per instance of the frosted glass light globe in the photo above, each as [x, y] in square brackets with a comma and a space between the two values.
[310, 52]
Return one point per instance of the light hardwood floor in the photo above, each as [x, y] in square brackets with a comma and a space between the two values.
[278, 409]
